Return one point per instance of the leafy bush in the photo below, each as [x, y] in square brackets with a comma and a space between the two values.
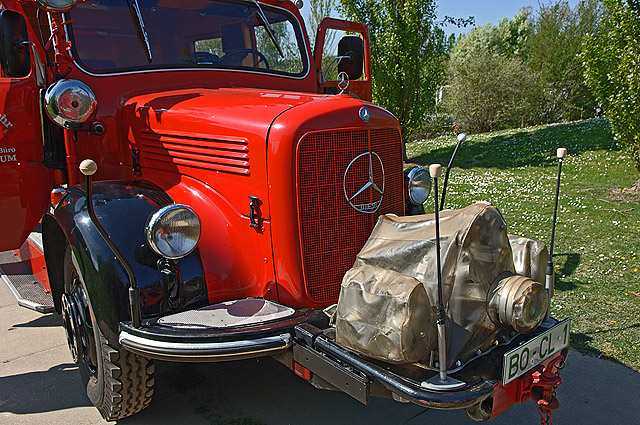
[524, 71]
[489, 88]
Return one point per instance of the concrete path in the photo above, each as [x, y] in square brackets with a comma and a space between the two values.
[39, 384]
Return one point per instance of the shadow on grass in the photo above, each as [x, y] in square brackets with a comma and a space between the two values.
[517, 150]
[582, 342]
[567, 285]
[568, 267]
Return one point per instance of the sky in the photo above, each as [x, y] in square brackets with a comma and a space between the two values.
[484, 11]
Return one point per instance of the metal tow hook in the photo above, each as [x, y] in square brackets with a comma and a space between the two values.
[543, 389]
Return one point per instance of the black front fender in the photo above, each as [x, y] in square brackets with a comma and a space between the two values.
[123, 208]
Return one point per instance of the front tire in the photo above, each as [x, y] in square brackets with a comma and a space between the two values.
[119, 383]
[126, 386]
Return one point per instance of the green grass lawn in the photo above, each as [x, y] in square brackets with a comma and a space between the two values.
[597, 252]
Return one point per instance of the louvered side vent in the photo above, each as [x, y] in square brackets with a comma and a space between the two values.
[333, 232]
[160, 151]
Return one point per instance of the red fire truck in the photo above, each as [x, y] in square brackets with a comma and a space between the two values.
[236, 185]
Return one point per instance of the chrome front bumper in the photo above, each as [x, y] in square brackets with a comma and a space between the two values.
[203, 351]
[232, 330]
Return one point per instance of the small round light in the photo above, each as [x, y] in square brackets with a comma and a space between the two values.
[418, 185]
[173, 231]
[56, 5]
[70, 103]
[518, 302]
[56, 195]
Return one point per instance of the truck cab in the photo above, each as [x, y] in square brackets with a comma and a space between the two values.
[233, 177]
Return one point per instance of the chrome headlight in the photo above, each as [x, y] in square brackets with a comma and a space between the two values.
[173, 231]
[418, 185]
[56, 5]
[518, 302]
[70, 103]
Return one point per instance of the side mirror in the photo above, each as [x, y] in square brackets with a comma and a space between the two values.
[15, 55]
[351, 47]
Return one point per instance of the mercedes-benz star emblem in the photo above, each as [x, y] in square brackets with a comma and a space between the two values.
[343, 82]
[365, 115]
[369, 187]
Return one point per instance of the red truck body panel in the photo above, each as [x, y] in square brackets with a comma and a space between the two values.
[24, 181]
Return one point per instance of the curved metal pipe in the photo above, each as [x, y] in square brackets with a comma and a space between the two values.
[549, 280]
[88, 168]
[461, 138]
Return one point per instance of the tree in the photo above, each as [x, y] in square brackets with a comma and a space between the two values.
[525, 70]
[407, 47]
[284, 33]
[512, 36]
[553, 48]
[318, 10]
[612, 70]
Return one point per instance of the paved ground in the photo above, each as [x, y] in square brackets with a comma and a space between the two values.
[40, 385]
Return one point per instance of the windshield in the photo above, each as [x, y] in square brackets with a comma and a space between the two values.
[109, 36]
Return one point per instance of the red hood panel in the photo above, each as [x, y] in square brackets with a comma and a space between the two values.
[217, 136]
[236, 112]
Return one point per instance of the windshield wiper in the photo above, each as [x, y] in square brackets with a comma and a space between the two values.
[136, 15]
[267, 26]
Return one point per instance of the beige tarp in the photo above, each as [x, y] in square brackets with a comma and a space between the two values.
[379, 301]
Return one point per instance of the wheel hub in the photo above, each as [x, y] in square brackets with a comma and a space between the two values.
[73, 327]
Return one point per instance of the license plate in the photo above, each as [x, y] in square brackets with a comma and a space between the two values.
[535, 351]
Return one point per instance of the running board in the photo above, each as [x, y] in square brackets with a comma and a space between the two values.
[28, 290]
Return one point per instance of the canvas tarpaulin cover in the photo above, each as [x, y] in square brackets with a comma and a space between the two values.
[386, 308]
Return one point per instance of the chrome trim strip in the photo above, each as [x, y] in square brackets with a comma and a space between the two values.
[141, 71]
[211, 350]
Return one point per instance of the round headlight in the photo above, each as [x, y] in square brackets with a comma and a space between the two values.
[56, 5]
[70, 103]
[173, 231]
[418, 185]
[518, 302]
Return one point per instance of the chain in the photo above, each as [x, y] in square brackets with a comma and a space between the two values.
[562, 364]
[545, 414]
[545, 418]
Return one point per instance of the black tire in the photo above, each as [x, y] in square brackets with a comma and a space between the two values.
[126, 386]
[119, 383]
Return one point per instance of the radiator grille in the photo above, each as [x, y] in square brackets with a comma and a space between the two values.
[228, 156]
[332, 231]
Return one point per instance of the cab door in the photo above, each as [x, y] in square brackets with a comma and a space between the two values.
[25, 182]
[343, 46]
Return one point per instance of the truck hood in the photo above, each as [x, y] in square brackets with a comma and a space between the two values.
[216, 136]
[207, 112]
[207, 148]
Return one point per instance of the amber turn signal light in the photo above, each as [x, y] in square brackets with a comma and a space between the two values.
[56, 195]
